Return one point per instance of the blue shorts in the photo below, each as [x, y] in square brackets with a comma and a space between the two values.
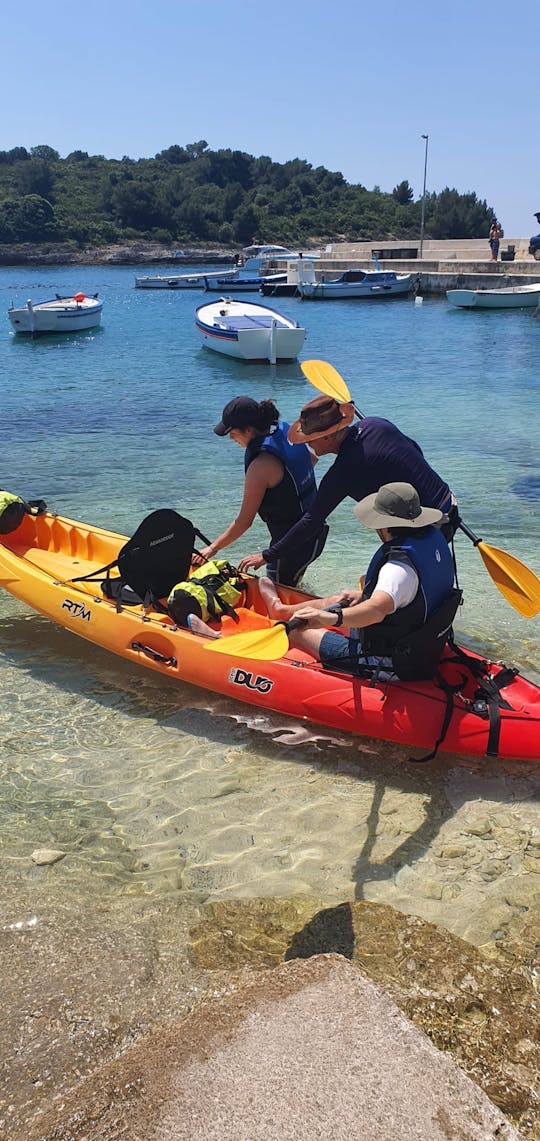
[337, 652]
[346, 655]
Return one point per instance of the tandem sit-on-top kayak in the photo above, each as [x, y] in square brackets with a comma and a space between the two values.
[486, 710]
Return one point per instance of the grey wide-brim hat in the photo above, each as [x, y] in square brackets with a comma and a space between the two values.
[395, 505]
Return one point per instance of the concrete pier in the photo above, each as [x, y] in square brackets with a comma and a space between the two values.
[460, 264]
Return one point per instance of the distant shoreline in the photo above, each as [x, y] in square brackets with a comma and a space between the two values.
[135, 253]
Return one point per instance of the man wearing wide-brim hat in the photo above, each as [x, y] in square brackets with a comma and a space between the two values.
[369, 454]
[400, 620]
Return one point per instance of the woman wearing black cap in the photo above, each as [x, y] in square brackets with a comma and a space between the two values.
[279, 484]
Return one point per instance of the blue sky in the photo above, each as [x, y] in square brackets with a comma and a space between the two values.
[346, 85]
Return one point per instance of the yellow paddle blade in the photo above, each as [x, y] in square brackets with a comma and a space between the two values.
[327, 379]
[264, 645]
[516, 582]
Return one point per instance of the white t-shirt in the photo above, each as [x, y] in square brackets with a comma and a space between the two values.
[400, 581]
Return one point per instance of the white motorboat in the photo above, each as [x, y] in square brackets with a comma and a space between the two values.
[513, 297]
[62, 315]
[358, 283]
[248, 331]
[300, 271]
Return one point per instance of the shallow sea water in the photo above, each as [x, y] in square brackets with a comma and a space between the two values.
[161, 790]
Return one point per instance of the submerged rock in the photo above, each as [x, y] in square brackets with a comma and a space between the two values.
[46, 856]
[309, 1049]
[484, 1011]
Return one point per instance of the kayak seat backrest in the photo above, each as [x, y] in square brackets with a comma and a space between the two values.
[159, 554]
[156, 557]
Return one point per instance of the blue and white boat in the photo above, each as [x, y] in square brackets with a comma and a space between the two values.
[248, 331]
[358, 283]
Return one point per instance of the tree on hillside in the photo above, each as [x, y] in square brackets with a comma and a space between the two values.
[403, 193]
[195, 150]
[36, 177]
[27, 219]
[246, 224]
[454, 215]
[175, 155]
[48, 154]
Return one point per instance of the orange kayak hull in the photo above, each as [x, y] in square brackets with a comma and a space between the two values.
[39, 560]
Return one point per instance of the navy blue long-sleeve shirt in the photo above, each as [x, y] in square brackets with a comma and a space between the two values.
[374, 452]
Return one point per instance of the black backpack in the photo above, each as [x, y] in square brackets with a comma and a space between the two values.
[156, 557]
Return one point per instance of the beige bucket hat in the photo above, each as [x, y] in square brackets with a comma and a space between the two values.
[395, 505]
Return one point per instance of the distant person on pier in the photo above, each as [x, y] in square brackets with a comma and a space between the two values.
[495, 235]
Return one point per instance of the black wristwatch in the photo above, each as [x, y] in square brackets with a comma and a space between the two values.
[336, 609]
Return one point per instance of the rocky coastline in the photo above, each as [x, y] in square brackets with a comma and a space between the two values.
[133, 253]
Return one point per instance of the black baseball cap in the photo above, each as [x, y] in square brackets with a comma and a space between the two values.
[240, 412]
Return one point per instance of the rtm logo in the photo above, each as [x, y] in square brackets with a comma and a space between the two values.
[242, 677]
[76, 610]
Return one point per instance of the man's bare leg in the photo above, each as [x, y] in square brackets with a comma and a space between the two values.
[277, 609]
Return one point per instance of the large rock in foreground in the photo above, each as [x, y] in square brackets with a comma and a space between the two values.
[311, 1049]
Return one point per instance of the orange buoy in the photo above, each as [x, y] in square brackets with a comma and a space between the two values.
[79, 296]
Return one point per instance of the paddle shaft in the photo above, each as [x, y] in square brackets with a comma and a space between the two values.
[470, 534]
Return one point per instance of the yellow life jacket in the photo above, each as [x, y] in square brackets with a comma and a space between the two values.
[13, 510]
[211, 590]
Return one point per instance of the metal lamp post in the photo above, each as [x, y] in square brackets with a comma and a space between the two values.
[426, 137]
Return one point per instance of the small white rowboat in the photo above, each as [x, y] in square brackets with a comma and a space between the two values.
[63, 315]
[515, 297]
[248, 331]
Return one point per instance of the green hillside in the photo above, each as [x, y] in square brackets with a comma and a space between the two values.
[193, 194]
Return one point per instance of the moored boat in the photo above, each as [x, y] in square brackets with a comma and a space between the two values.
[248, 331]
[513, 297]
[240, 283]
[41, 558]
[252, 265]
[61, 315]
[182, 280]
[358, 283]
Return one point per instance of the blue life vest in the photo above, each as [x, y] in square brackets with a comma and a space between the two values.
[429, 554]
[284, 505]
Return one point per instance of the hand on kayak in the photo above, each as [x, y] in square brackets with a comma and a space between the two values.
[251, 562]
[208, 552]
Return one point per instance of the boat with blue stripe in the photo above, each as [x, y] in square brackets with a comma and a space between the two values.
[248, 331]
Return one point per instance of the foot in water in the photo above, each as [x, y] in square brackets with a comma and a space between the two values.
[276, 609]
[197, 626]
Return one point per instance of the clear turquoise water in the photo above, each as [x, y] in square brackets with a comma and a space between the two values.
[155, 788]
[110, 424]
